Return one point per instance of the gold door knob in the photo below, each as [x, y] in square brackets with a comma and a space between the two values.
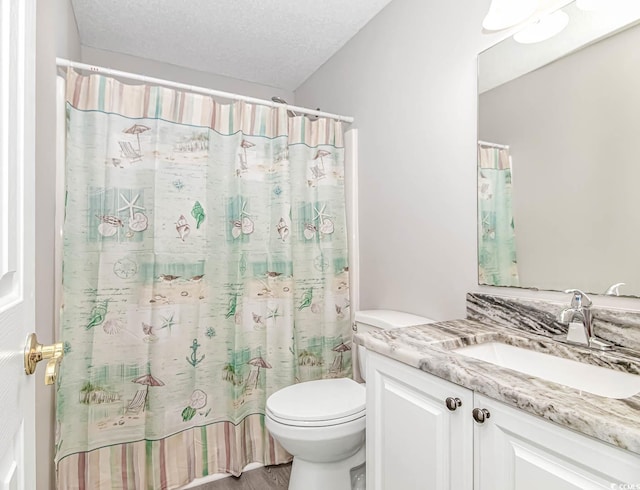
[35, 352]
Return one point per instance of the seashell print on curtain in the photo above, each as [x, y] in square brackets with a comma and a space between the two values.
[205, 267]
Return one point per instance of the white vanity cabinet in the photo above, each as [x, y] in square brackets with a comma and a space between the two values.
[514, 450]
[415, 442]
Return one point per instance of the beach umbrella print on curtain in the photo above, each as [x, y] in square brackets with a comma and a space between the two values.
[319, 169]
[137, 129]
[320, 155]
[147, 380]
[340, 349]
[245, 144]
[256, 363]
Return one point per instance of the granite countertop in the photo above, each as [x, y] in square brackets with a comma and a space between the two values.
[428, 347]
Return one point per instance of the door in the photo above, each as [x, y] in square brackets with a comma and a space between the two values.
[414, 442]
[17, 310]
[518, 451]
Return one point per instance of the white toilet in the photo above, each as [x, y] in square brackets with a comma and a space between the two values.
[322, 423]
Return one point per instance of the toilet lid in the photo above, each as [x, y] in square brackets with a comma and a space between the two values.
[321, 400]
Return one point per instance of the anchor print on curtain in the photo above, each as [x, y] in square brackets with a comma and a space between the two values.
[205, 267]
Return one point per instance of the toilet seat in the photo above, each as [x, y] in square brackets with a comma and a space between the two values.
[318, 403]
[316, 423]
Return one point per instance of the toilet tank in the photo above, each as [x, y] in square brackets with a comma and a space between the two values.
[368, 320]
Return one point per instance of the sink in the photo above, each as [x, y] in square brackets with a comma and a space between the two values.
[585, 377]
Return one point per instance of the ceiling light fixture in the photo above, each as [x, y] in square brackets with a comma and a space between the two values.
[615, 6]
[507, 13]
[591, 5]
[543, 29]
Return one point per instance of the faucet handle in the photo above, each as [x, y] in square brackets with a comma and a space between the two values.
[580, 298]
[614, 289]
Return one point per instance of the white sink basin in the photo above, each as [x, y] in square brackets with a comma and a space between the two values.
[586, 377]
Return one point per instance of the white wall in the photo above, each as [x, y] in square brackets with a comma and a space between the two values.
[175, 73]
[409, 78]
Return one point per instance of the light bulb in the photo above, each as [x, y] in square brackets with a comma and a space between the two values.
[591, 5]
[506, 13]
[543, 29]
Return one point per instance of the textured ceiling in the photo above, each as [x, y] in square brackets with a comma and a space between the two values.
[273, 42]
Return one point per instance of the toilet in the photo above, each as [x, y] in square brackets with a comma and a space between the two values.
[322, 423]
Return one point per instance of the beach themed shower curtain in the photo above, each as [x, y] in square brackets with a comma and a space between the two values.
[497, 260]
[205, 267]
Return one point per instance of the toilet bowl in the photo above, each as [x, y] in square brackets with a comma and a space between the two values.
[322, 423]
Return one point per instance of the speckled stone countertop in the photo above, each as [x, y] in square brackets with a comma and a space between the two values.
[428, 347]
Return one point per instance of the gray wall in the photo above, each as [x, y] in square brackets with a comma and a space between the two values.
[56, 35]
[572, 127]
[67, 37]
[409, 78]
[175, 73]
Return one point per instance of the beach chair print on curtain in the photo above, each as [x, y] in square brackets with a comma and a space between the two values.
[137, 403]
[129, 152]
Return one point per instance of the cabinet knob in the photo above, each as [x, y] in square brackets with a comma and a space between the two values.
[453, 403]
[480, 415]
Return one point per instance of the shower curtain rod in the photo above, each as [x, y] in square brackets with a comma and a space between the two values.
[200, 90]
[493, 145]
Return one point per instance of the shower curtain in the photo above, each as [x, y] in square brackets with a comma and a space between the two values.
[497, 260]
[205, 267]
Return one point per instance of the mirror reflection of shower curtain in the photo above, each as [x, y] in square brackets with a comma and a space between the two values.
[497, 259]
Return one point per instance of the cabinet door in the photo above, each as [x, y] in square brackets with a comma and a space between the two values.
[413, 440]
[514, 450]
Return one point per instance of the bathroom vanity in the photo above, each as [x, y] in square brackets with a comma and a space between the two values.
[437, 419]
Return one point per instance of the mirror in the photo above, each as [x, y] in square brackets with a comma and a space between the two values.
[559, 156]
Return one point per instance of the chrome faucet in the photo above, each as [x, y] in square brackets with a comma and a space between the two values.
[580, 311]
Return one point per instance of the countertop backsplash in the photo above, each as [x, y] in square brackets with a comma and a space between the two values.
[619, 327]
